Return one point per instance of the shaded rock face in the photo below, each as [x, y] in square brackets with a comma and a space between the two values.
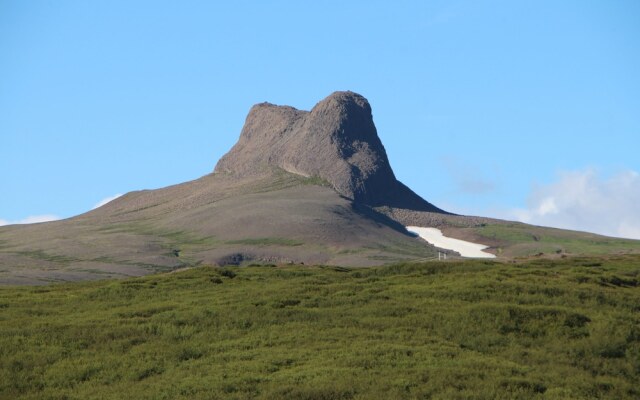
[336, 141]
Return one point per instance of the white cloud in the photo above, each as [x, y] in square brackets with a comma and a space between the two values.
[547, 206]
[32, 219]
[107, 200]
[583, 200]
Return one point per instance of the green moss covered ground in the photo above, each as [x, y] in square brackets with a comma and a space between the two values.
[560, 329]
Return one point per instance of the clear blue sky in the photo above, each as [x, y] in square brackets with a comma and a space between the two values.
[519, 109]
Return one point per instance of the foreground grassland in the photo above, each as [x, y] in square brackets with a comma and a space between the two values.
[471, 330]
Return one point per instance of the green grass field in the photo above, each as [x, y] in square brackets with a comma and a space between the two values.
[525, 240]
[564, 329]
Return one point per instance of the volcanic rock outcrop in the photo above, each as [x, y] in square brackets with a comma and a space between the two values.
[336, 141]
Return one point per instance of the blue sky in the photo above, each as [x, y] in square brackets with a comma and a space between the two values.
[516, 109]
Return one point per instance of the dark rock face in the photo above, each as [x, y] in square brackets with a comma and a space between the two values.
[336, 141]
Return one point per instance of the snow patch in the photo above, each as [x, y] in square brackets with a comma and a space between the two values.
[436, 238]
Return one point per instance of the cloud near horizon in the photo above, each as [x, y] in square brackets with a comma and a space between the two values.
[583, 200]
[32, 219]
[107, 200]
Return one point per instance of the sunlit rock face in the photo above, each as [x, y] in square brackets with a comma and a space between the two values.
[336, 141]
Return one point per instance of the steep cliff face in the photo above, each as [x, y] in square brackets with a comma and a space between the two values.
[336, 141]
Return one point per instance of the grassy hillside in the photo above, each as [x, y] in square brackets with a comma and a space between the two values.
[526, 239]
[216, 219]
[471, 330]
[515, 239]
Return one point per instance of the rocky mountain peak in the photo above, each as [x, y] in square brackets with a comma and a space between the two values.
[336, 141]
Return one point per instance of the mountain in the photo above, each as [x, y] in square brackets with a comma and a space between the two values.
[336, 141]
[312, 187]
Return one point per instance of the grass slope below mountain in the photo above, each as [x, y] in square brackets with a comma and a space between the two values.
[552, 329]
[514, 239]
[276, 217]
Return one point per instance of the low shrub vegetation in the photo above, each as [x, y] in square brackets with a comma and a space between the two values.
[552, 329]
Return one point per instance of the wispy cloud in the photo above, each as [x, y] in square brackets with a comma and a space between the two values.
[468, 180]
[583, 200]
[107, 200]
[444, 15]
[32, 219]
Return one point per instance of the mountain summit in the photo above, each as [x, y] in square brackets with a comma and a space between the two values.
[336, 141]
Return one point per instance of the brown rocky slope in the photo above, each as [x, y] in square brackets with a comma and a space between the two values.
[312, 187]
